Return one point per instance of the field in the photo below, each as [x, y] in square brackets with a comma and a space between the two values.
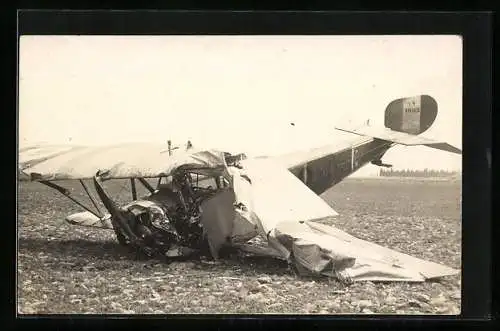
[69, 269]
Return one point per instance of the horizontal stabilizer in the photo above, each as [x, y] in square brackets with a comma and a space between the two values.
[403, 138]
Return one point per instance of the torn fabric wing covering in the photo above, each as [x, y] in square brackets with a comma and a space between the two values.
[266, 198]
[278, 196]
[323, 249]
[116, 161]
[286, 209]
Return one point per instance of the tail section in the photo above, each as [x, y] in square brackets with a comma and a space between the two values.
[405, 119]
[412, 115]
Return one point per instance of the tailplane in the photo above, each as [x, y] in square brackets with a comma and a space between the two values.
[404, 120]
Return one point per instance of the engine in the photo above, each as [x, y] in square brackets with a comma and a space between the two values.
[167, 222]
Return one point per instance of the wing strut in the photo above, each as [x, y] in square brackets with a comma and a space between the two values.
[91, 197]
[146, 184]
[134, 191]
[67, 194]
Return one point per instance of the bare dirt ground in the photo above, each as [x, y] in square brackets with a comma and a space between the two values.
[70, 269]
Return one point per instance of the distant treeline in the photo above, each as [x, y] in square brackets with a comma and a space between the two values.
[418, 173]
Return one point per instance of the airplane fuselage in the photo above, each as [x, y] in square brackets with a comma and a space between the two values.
[323, 173]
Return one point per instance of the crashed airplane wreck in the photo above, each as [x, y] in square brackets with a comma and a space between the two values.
[208, 200]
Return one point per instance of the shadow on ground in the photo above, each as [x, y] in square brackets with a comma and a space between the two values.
[112, 255]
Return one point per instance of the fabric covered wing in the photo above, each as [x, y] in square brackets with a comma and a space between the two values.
[321, 249]
[278, 196]
[116, 161]
[287, 210]
[30, 156]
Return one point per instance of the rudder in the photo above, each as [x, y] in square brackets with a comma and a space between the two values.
[412, 115]
[406, 119]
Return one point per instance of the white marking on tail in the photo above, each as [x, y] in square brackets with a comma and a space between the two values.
[411, 115]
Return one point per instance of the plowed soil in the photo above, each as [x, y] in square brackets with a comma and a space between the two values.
[69, 269]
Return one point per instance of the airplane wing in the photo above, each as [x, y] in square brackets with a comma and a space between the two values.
[58, 162]
[289, 212]
[283, 207]
[322, 249]
[278, 196]
[29, 156]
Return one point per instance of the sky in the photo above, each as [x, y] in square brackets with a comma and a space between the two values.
[237, 93]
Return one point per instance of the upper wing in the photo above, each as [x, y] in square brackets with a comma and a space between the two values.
[57, 162]
[30, 156]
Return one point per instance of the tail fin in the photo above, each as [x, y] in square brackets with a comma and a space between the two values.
[412, 115]
[405, 119]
